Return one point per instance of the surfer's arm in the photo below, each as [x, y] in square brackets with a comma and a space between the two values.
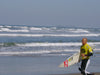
[90, 51]
[90, 54]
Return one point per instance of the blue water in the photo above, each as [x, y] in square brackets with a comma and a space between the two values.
[38, 50]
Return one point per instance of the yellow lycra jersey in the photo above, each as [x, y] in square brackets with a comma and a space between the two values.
[85, 49]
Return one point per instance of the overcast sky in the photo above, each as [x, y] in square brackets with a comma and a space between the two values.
[50, 12]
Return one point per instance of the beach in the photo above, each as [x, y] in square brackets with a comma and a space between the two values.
[30, 65]
[77, 74]
[36, 50]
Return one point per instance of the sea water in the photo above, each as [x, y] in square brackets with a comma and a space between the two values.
[38, 50]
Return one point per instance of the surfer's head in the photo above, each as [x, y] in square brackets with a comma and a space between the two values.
[84, 41]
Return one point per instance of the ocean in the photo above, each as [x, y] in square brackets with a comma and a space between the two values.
[38, 50]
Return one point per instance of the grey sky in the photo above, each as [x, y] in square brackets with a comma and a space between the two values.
[50, 12]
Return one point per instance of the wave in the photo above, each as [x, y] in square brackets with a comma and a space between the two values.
[34, 28]
[50, 44]
[9, 28]
[72, 44]
[51, 35]
[79, 31]
[39, 53]
[42, 53]
[92, 44]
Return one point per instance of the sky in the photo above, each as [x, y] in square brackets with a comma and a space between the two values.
[50, 12]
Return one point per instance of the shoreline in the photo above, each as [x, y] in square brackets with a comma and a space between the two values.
[74, 74]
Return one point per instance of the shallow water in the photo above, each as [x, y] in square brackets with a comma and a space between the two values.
[14, 65]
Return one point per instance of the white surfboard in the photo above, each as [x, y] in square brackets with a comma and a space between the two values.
[71, 60]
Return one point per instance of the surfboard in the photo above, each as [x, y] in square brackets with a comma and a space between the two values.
[71, 60]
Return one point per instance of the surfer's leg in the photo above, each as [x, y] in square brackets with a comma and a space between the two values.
[88, 62]
[83, 66]
[79, 64]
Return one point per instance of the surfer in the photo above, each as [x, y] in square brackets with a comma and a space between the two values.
[85, 53]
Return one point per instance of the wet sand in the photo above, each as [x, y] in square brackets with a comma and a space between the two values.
[74, 74]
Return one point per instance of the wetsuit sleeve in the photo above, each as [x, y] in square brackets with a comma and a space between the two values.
[90, 54]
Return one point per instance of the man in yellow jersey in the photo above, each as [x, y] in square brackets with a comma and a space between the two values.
[85, 53]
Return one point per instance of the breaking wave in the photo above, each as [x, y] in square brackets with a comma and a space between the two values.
[79, 30]
[42, 53]
[38, 53]
[51, 35]
[5, 28]
[15, 47]
[47, 44]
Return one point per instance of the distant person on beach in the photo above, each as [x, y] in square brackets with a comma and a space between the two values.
[85, 53]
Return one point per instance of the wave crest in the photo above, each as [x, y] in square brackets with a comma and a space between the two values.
[47, 44]
[11, 28]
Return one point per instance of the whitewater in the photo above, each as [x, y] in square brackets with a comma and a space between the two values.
[24, 40]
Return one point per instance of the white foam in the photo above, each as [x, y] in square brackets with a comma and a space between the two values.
[18, 29]
[35, 52]
[52, 35]
[34, 28]
[42, 52]
[78, 30]
[59, 44]
[8, 26]
[23, 52]
[1, 26]
[27, 29]
[5, 29]
[9, 30]
[50, 44]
